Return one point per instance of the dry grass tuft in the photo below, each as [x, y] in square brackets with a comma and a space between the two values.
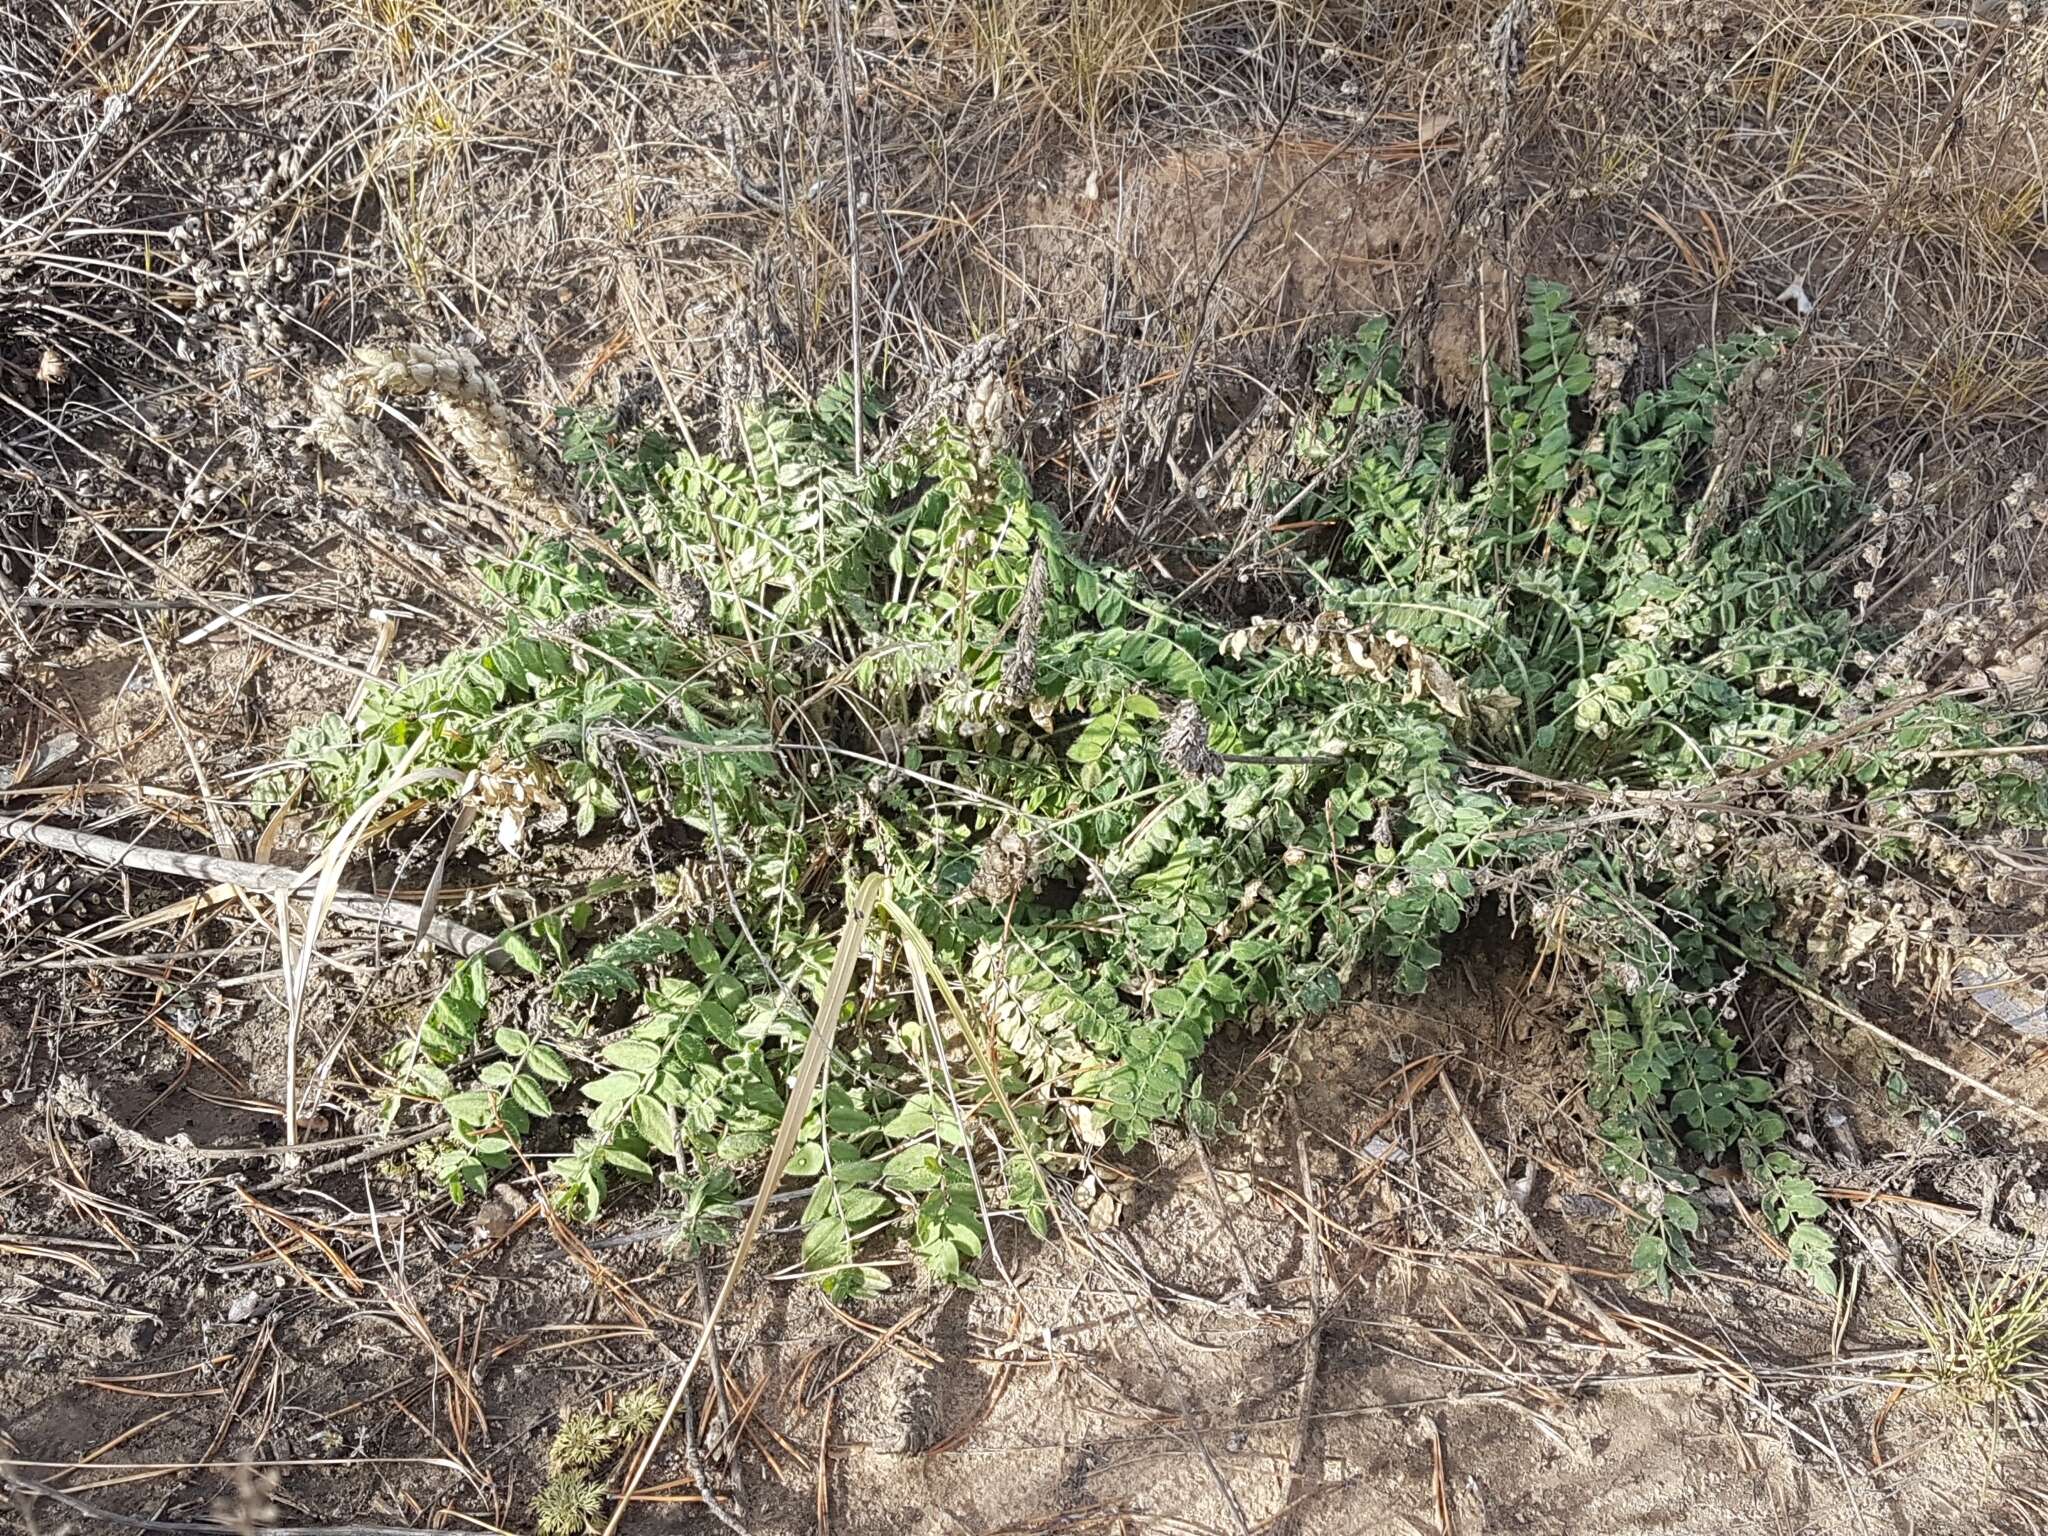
[1083, 61]
[1986, 1338]
[1870, 175]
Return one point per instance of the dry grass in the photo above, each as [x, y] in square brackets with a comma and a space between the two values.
[1986, 1339]
[1730, 160]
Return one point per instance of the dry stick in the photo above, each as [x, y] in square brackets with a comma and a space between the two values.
[1295, 1493]
[375, 1153]
[810, 1072]
[724, 1423]
[376, 1146]
[1849, 1015]
[693, 1458]
[117, 853]
[66, 604]
[852, 225]
[824, 1489]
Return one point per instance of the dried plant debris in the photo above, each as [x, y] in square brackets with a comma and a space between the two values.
[1185, 744]
[513, 464]
[1020, 669]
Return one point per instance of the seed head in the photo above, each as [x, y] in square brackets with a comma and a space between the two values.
[1185, 746]
[687, 600]
[1008, 863]
[1020, 667]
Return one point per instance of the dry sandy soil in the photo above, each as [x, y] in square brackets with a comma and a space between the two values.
[1393, 1297]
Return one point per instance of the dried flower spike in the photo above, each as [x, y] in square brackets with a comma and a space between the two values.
[1020, 667]
[1185, 746]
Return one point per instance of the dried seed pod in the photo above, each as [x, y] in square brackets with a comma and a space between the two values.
[990, 412]
[687, 600]
[1008, 862]
[1020, 667]
[1507, 46]
[1185, 744]
[508, 456]
[584, 621]
[1613, 345]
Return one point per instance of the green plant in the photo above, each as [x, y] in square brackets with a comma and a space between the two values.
[1580, 662]
[567, 1505]
[588, 1442]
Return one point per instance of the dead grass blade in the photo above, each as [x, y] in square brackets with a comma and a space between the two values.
[1439, 1480]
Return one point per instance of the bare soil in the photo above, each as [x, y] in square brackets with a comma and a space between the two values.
[1392, 1297]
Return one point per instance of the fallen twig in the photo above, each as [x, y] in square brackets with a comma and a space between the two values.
[117, 853]
[1297, 1488]
[27, 1488]
[1849, 1015]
